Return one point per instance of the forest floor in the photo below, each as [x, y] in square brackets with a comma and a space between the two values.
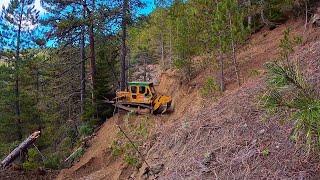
[227, 136]
[10, 174]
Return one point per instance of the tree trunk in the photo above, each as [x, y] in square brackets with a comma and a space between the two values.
[123, 82]
[17, 68]
[21, 148]
[222, 85]
[92, 61]
[170, 44]
[262, 14]
[306, 16]
[235, 64]
[233, 46]
[145, 68]
[162, 49]
[37, 84]
[93, 66]
[112, 68]
[249, 17]
[158, 6]
[82, 69]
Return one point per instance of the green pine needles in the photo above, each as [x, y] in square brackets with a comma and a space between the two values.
[288, 91]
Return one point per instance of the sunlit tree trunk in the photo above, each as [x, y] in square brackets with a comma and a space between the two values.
[123, 55]
[170, 47]
[249, 17]
[82, 69]
[233, 47]
[221, 64]
[92, 54]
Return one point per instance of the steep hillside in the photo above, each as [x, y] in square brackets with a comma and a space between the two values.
[217, 139]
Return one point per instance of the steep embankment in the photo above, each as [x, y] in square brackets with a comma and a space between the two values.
[225, 138]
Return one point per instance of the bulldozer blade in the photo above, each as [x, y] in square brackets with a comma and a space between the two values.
[165, 107]
[132, 110]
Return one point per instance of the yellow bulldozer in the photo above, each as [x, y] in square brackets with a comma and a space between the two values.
[140, 98]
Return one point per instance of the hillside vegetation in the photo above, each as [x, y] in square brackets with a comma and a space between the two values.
[225, 136]
[243, 75]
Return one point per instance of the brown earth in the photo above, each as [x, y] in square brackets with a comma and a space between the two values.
[216, 138]
[40, 174]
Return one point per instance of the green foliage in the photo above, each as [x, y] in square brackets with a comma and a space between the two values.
[89, 112]
[52, 162]
[116, 149]
[49, 77]
[78, 154]
[131, 160]
[265, 152]
[289, 91]
[85, 130]
[210, 87]
[287, 44]
[254, 73]
[184, 65]
[138, 132]
[142, 128]
[227, 25]
[32, 160]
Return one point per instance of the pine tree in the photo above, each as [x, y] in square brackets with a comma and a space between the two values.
[237, 32]
[126, 14]
[18, 21]
[123, 55]
[228, 31]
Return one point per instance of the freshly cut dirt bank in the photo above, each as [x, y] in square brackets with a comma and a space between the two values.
[97, 156]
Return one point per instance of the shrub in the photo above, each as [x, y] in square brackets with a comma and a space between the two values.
[265, 152]
[210, 86]
[116, 149]
[85, 130]
[142, 129]
[180, 63]
[185, 66]
[288, 91]
[52, 162]
[254, 73]
[32, 160]
[131, 160]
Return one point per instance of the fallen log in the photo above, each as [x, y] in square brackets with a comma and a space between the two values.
[22, 147]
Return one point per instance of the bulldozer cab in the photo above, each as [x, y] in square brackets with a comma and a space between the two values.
[141, 95]
[141, 92]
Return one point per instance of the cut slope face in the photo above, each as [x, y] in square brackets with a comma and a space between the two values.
[98, 155]
[228, 138]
